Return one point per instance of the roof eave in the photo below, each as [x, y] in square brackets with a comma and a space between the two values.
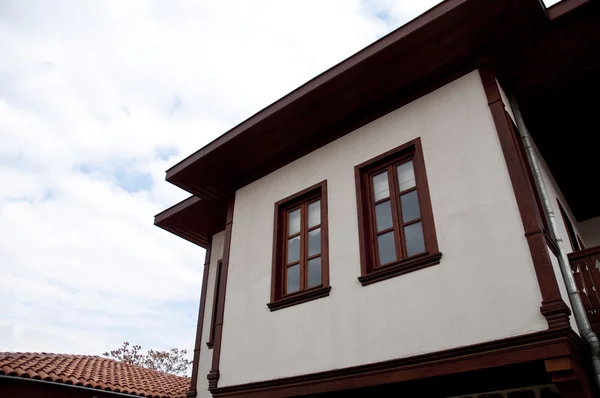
[312, 85]
[193, 219]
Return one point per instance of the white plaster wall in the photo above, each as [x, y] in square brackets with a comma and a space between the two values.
[206, 354]
[484, 289]
[590, 231]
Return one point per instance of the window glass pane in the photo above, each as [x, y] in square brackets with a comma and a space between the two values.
[415, 243]
[293, 278]
[314, 272]
[406, 176]
[410, 206]
[381, 187]
[293, 252]
[293, 222]
[314, 214]
[383, 214]
[387, 249]
[314, 242]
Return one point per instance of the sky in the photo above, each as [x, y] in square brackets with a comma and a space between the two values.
[97, 100]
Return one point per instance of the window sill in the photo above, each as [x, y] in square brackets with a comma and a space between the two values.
[301, 297]
[210, 344]
[400, 268]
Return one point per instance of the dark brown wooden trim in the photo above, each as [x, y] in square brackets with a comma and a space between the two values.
[278, 299]
[563, 7]
[400, 268]
[213, 376]
[553, 307]
[370, 272]
[574, 256]
[194, 382]
[26, 387]
[520, 349]
[325, 232]
[569, 377]
[367, 52]
[305, 191]
[193, 219]
[300, 297]
[211, 339]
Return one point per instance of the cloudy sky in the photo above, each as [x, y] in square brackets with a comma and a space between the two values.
[97, 100]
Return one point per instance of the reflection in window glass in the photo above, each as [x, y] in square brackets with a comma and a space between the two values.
[314, 272]
[314, 242]
[414, 239]
[293, 250]
[406, 176]
[387, 248]
[383, 215]
[410, 206]
[294, 222]
[293, 278]
[381, 187]
[314, 214]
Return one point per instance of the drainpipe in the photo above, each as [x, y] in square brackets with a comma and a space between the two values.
[579, 311]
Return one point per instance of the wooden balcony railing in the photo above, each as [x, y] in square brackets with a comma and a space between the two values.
[586, 269]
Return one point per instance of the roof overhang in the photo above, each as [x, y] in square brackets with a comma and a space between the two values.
[555, 78]
[194, 219]
[412, 60]
[516, 36]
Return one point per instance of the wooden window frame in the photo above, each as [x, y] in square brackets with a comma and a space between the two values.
[370, 271]
[215, 305]
[279, 299]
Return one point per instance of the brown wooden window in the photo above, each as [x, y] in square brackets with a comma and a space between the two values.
[211, 338]
[300, 260]
[397, 232]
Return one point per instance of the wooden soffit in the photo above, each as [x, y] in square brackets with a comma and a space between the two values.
[193, 219]
[407, 63]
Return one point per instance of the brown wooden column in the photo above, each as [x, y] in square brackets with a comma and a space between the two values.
[569, 378]
[194, 382]
[553, 307]
[213, 375]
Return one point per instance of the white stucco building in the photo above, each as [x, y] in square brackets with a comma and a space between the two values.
[386, 228]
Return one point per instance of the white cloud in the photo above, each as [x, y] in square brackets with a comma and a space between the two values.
[96, 97]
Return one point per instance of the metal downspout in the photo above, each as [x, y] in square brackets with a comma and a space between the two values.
[579, 312]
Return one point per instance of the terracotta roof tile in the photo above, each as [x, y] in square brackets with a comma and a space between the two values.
[93, 371]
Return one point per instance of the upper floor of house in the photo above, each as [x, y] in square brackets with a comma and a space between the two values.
[390, 207]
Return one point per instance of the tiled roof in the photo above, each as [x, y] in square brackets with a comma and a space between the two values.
[94, 372]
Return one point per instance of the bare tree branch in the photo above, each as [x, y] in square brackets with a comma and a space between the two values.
[172, 361]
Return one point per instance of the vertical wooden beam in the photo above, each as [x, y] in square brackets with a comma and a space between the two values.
[553, 307]
[213, 375]
[194, 382]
